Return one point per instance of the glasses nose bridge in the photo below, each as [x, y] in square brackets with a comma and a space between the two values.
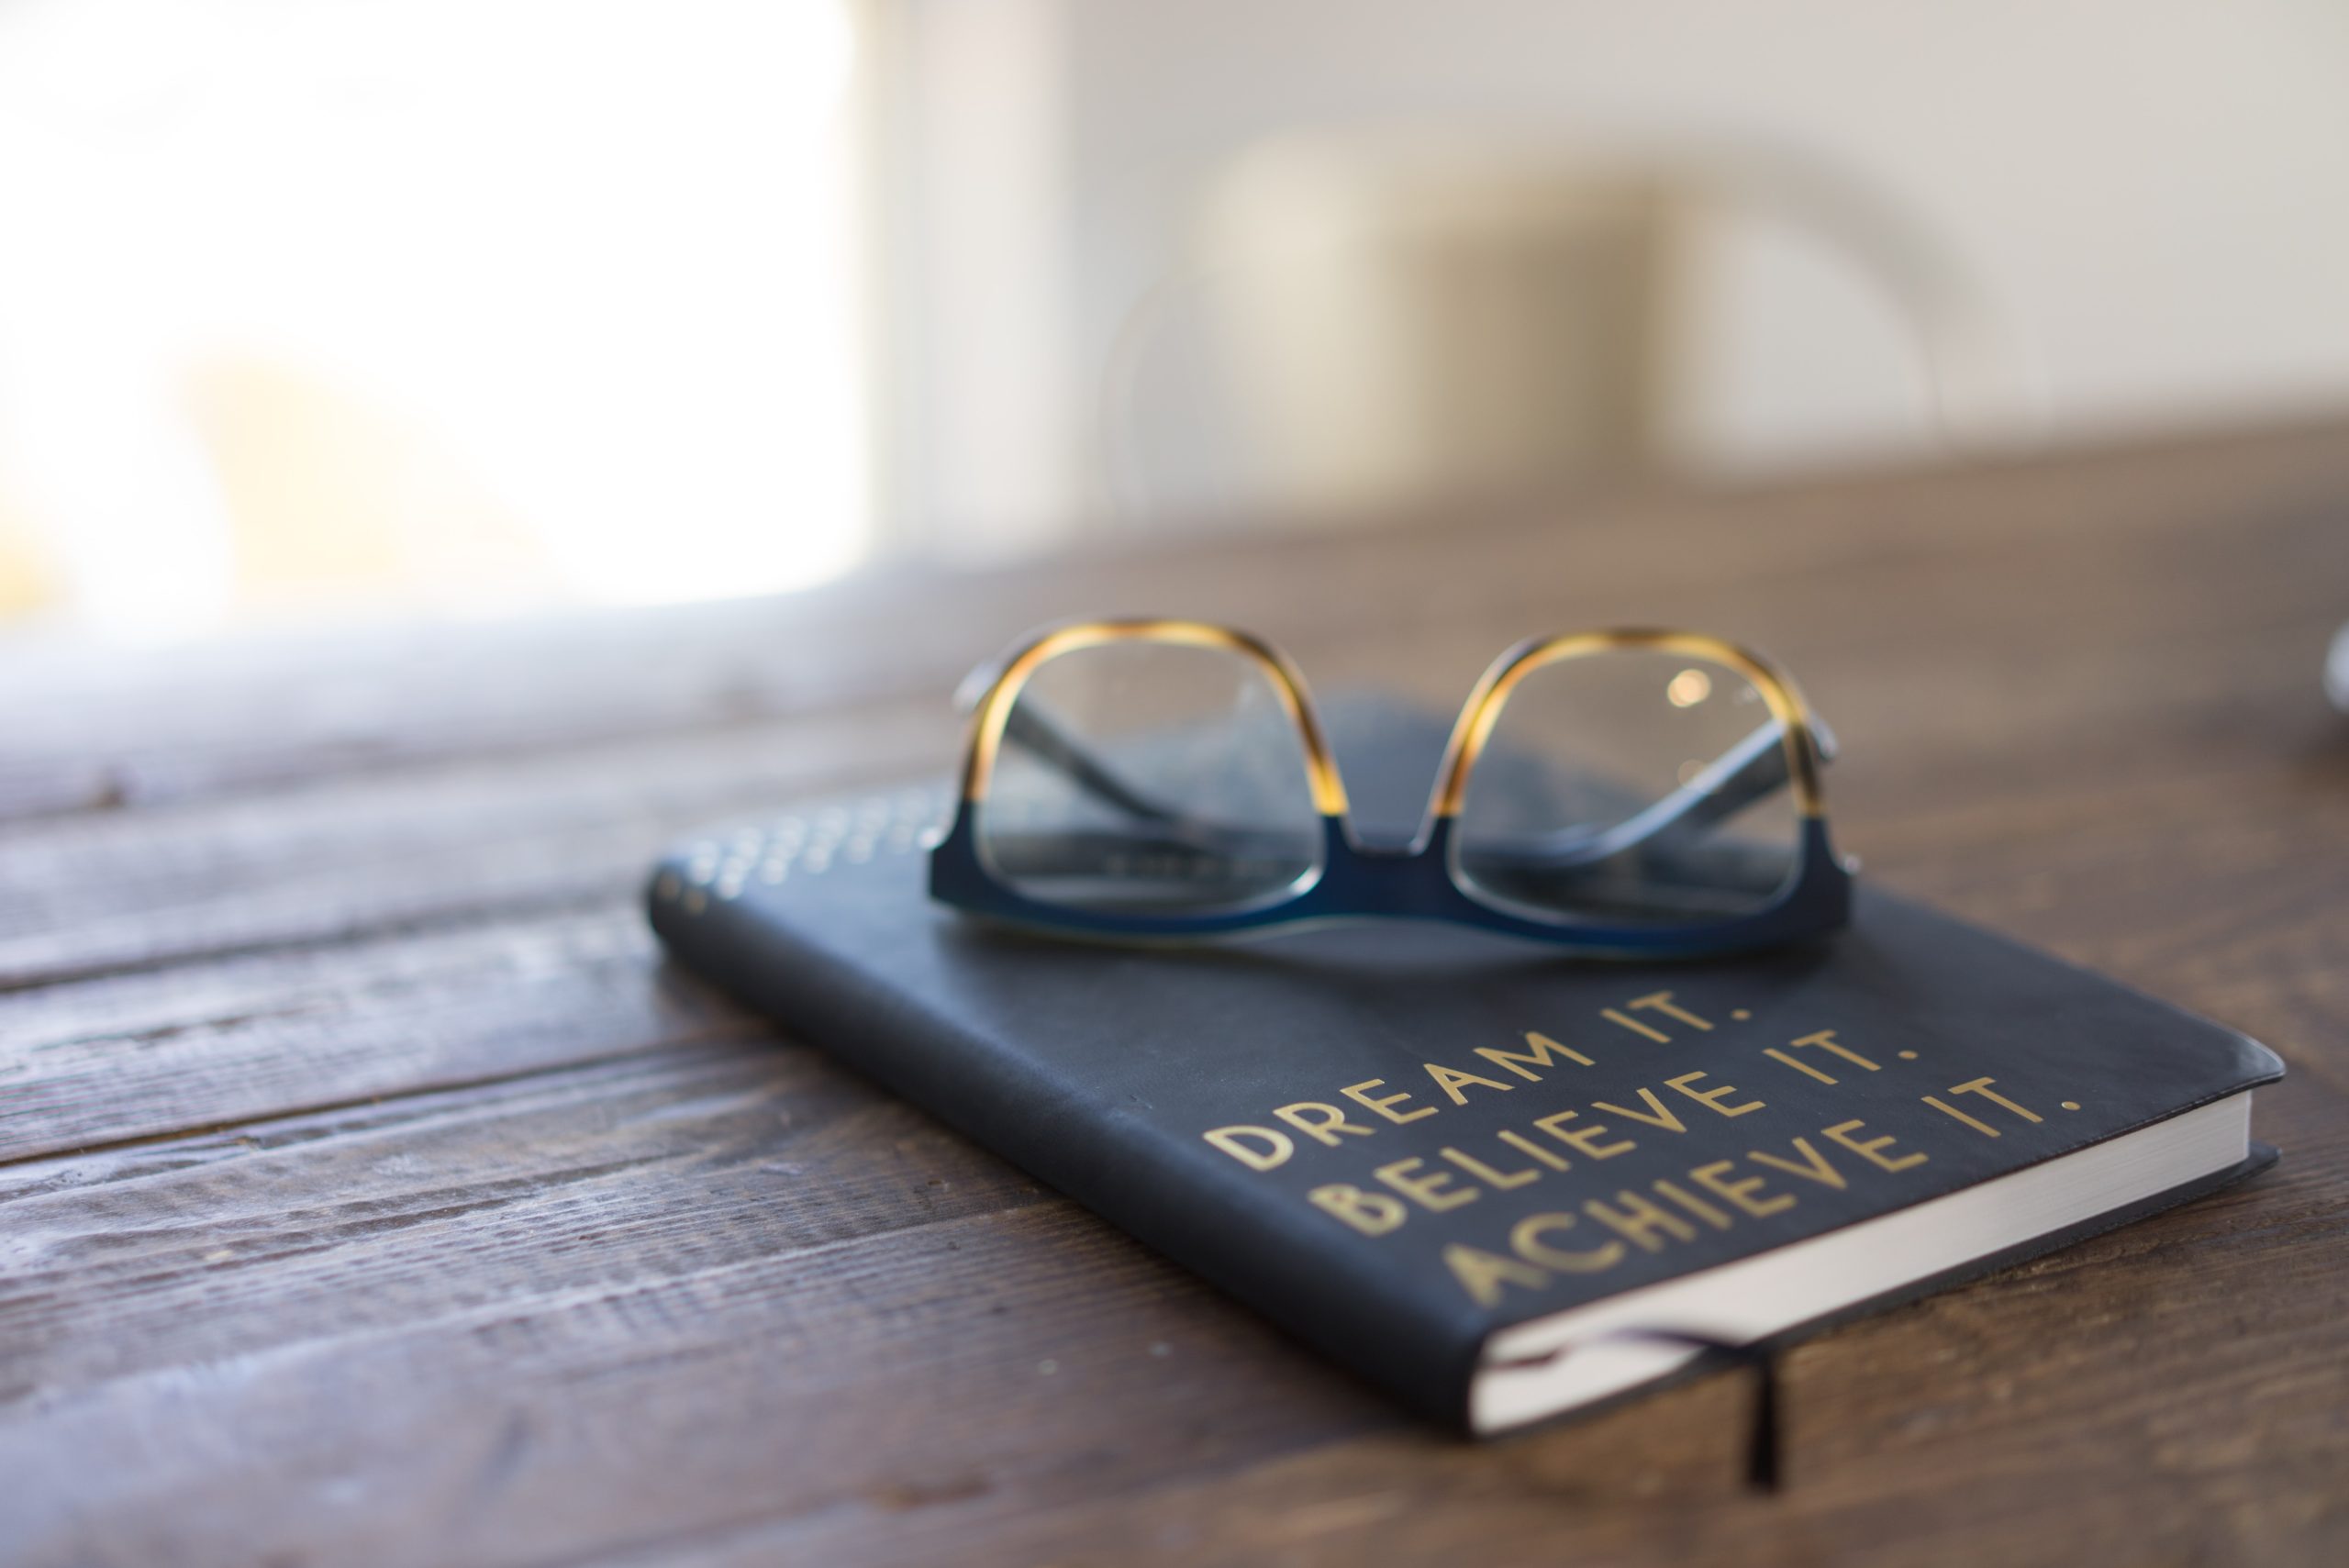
[1394, 872]
[1387, 843]
[1394, 818]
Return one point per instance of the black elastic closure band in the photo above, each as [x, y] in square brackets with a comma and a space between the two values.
[1765, 1449]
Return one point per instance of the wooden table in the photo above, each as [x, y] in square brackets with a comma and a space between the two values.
[371, 1194]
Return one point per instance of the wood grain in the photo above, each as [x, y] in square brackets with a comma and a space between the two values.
[370, 1193]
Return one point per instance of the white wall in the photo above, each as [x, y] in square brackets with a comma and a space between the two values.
[2153, 196]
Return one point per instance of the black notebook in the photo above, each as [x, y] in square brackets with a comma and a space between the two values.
[1483, 1176]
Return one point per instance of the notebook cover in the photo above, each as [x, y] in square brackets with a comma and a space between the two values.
[1102, 1071]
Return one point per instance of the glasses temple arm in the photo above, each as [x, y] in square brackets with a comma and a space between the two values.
[1753, 769]
[1750, 771]
[1029, 730]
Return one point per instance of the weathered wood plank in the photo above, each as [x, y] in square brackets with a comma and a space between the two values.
[595, 1305]
[155, 1051]
[142, 1055]
[2122, 1401]
[99, 731]
[729, 1305]
[84, 732]
[150, 1052]
[350, 856]
[354, 856]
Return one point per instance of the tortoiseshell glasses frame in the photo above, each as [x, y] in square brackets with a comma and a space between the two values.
[1421, 879]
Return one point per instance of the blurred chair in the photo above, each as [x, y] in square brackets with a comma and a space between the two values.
[1398, 320]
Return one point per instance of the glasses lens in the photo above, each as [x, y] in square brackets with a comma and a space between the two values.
[1630, 789]
[1150, 777]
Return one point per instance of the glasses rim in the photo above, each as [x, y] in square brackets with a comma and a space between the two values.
[959, 875]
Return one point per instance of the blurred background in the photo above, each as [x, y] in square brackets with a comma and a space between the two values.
[349, 308]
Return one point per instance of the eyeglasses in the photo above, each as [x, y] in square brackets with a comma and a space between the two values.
[1629, 792]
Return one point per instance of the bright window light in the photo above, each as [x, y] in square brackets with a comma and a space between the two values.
[420, 304]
